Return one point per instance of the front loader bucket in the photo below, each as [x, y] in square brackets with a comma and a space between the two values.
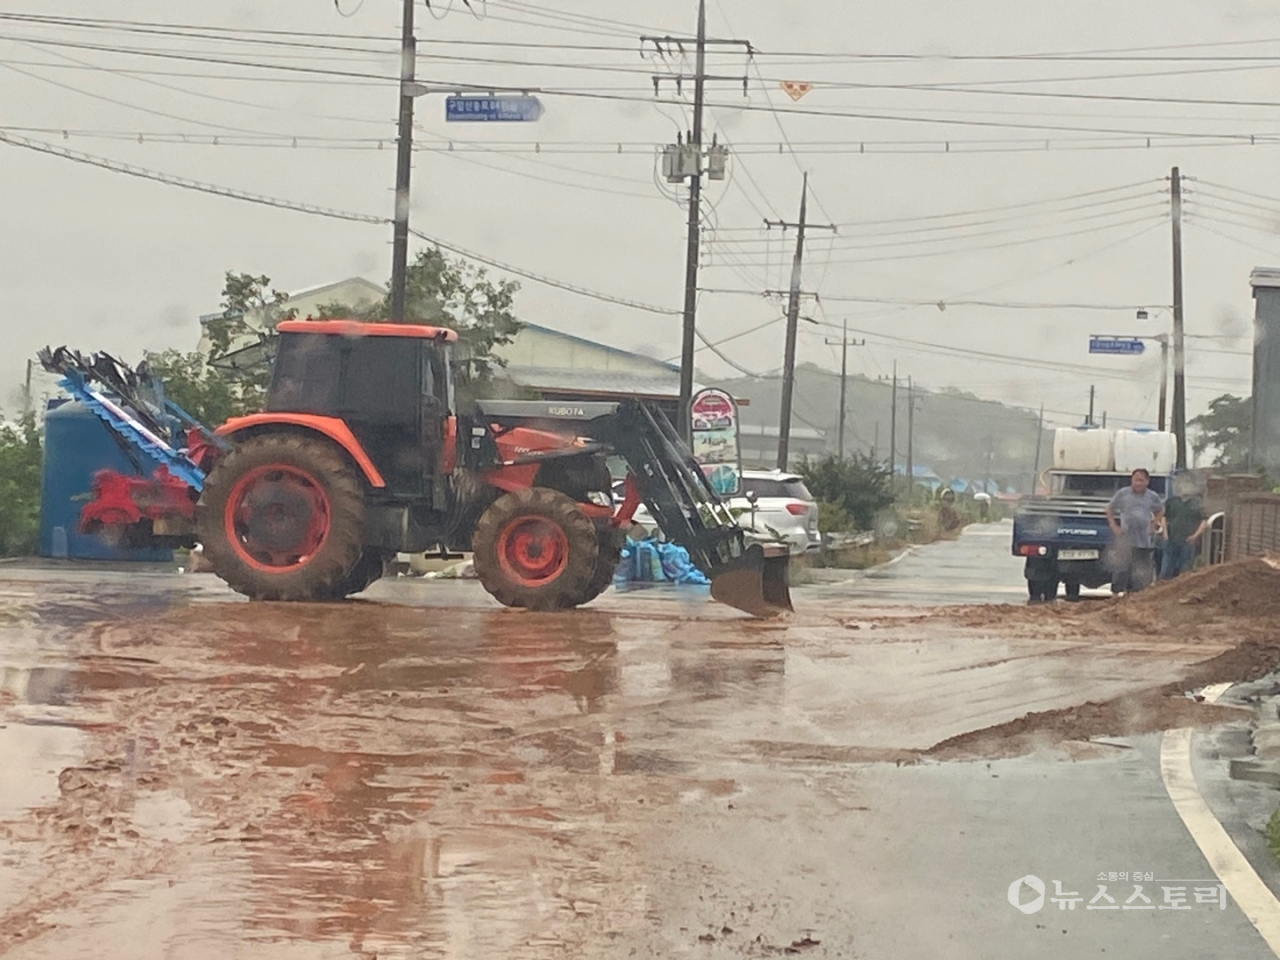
[755, 583]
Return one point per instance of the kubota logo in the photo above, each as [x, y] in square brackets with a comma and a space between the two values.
[1015, 893]
[566, 411]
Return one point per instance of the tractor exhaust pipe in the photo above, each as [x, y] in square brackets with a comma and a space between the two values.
[756, 582]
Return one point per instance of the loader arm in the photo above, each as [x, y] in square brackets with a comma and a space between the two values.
[688, 511]
[665, 477]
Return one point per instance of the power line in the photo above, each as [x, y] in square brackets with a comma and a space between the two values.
[185, 183]
[1158, 218]
[943, 303]
[314, 210]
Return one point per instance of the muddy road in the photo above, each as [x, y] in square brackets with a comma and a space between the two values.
[420, 773]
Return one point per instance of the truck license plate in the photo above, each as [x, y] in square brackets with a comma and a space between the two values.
[1077, 554]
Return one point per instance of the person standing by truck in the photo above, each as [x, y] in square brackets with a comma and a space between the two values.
[1185, 521]
[1134, 514]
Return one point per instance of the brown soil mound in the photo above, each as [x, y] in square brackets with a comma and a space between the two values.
[1145, 712]
[1244, 588]
[1242, 597]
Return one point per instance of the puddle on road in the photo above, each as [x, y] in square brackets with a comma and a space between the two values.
[390, 780]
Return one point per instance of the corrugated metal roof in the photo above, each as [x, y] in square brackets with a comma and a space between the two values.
[595, 344]
[1265, 277]
[608, 382]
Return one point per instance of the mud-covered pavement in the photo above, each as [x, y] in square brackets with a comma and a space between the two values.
[423, 774]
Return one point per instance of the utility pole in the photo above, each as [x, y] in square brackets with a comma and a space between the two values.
[686, 161]
[1035, 470]
[1089, 420]
[1164, 375]
[911, 439]
[793, 321]
[689, 329]
[845, 344]
[1179, 354]
[875, 445]
[27, 406]
[404, 166]
[893, 428]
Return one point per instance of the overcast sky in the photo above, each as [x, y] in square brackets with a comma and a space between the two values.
[1060, 200]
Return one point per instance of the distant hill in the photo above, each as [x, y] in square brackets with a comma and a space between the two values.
[957, 434]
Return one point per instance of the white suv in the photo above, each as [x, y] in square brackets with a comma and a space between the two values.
[782, 503]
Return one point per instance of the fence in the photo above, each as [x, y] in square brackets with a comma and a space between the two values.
[1253, 526]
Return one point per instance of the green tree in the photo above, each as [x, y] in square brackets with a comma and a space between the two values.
[213, 393]
[859, 485]
[249, 304]
[19, 486]
[454, 293]
[1226, 427]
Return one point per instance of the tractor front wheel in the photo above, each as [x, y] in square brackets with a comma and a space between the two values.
[281, 517]
[535, 548]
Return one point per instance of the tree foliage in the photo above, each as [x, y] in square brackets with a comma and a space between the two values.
[1227, 428]
[460, 295]
[207, 392]
[859, 485]
[20, 458]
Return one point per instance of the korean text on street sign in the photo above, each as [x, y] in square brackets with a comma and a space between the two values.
[1124, 346]
[492, 109]
[715, 440]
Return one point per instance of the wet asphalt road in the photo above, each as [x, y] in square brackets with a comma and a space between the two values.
[975, 568]
[423, 774]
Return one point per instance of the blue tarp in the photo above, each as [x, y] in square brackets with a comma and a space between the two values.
[648, 561]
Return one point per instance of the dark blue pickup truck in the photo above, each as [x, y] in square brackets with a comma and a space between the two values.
[1065, 536]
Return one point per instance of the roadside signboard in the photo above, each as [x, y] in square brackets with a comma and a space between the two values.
[1116, 346]
[492, 109]
[715, 440]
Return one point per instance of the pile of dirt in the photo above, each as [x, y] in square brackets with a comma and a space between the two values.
[1245, 593]
[1145, 712]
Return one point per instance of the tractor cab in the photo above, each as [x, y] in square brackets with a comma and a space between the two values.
[391, 384]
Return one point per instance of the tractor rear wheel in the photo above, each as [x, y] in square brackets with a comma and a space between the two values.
[281, 517]
[535, 548]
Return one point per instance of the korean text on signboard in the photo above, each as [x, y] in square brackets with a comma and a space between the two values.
[715, 440]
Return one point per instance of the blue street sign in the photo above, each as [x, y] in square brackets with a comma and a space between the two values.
[492, 109]
[1122, 346]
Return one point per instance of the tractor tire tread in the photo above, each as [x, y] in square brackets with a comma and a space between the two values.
[567, 590]
[325, 576]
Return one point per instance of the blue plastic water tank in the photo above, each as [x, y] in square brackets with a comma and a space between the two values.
[76, 446]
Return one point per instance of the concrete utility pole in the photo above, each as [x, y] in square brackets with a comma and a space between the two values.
[911, 438]
[692, 151]
[845, 344]
[1179, 354]
[689, 329]
[404, 166]
[1035, 470]
[893, 428]
[1164, 375]
[28, 407]
[793, 320]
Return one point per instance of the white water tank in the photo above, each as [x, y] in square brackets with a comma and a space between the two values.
[1154, 450]
[1083, 448]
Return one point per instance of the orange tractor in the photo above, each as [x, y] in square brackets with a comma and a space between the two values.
[361, 453]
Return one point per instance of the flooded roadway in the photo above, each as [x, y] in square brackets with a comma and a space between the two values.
[424, 774]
